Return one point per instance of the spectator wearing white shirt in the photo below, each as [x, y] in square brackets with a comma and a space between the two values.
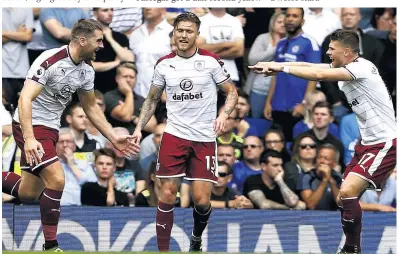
[320, 22]
[149, 42]
[223, 35]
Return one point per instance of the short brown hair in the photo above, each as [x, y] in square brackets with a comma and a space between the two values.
[98, 94]
[127, 65]
[347, 38]
[323, 104]
[187, 16]
[104, 151]
[85, 27]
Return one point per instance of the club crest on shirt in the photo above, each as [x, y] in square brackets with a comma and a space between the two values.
[295, 49]
[82, 75]
[199, 65]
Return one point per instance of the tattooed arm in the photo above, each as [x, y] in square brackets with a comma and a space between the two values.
[257, 197]
[149, 106]
[232, 96]
[290, 198]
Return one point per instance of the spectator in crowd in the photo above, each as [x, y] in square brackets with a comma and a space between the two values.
[263, 50]
[115, 51]
[303, 159]
[36, 46]
[17, 29]
[122, 104]
[381, 22]
[126, 20]
[268, 189]
[8, 143]
[319, 187]
[129, 175]
[370, 49]
[155, 139]
[387, 65]
[149, 42]
[149, 196]
[250, 165]
[75, 176]
[307, 123]
[243, 110]
[225, 154]
[350, 135]
[223, 196]
[103, 192]
[320, 22]
[77, 121]
[222, 34]
[57, 24]
[91, 129]
[322, 117]
[228, 137]
[275, 140]
[383, 201]
[284, 101]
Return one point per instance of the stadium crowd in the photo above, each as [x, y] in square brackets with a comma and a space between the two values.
[285, 145]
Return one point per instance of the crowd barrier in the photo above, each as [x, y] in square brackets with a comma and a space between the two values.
[133, 229]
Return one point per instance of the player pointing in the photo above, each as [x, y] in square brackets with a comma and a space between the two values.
[190, 76]
[375, 155]
[52, 79]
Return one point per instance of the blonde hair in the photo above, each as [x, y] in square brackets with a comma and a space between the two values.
[273, 20]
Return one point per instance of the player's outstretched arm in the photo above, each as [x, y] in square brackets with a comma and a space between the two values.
[149, 106]
[97, 117]
[231, 100]
[32, 147]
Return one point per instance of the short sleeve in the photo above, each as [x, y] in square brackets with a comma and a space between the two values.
[29, 19]
[38, 73]
[89, 84]
[356, 70]
[158, 79]
[46, 14]
[219, 73]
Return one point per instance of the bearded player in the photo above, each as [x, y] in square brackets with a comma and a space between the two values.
[190, 77]
[367, 95]
[52, 79]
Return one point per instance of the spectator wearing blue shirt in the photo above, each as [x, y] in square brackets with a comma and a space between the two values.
[350, 136]
[57, 24]
[284, 103]
[306, 124]
[250, 165]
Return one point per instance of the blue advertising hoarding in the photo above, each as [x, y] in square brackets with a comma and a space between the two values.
[133, 229]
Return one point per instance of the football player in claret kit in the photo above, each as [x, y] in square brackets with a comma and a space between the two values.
[52, 79]
[190, 77]
[367, 95]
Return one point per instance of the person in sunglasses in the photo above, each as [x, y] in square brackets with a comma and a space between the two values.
[225, 197]
[303, 159]
[319, 187]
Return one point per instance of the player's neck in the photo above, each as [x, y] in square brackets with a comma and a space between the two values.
[187, 53]
[298, 32]
[218, 191]
[352, 58]
[74, 53]
[321, 133]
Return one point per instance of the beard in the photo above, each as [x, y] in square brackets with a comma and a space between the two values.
[295, 30]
